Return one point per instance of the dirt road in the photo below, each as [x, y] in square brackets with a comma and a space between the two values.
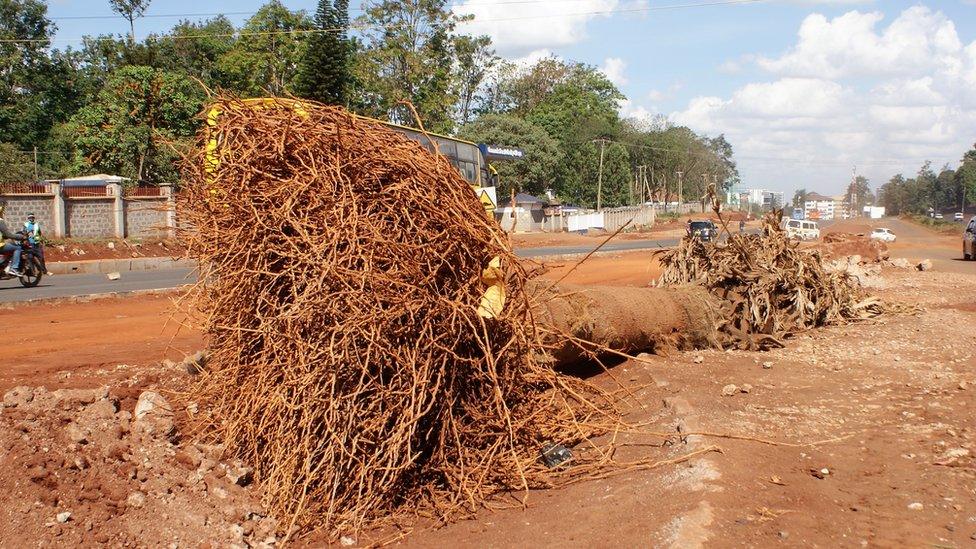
[915, 242]
[861, 435]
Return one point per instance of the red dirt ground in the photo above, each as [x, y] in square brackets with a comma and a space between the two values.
[85, 250]
[887, 408]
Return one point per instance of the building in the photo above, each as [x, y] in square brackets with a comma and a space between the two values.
[526, 214]
[765, 200]
[818, 206]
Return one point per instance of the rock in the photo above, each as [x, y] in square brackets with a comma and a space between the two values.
[111, 245]
[154, 415]
[114, 275]
[767, 365]
[346, 541]
[136, 499]
[699, 359]
[63, 517]
[730, 390]
[901, 263]
[963, 385]
[76, 398]
[151, 403]
[825, 471]
[924, 265]
[195, 363]
[956, 453]
[915, 506]
[746, 388]
[239, 474]
[76, 433]
[18, 396]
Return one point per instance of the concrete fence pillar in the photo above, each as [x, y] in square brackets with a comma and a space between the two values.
[118, 208]
[166, 191]
[59, 215]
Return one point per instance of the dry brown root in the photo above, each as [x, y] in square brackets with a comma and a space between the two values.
[768, 287]
[341, 277]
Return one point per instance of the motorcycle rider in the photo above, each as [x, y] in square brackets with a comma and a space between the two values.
[33, 230]
[13, 268]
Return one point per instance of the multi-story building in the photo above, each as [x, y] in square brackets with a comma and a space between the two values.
[767, 200]
[818, 206]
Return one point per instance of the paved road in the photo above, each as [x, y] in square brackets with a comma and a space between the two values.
[610, 247]
[85, 284]
[620, 246]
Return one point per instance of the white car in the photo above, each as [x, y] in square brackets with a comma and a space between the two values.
[882, 234]
[938, 216]
[957, 216]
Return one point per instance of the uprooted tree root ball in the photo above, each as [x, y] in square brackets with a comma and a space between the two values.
[768, 287]
[342, 273]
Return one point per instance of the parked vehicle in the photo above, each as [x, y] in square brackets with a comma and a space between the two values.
[883, 234]
[801, 229]
[958, 216]
[969, 240]
[705, 230]
[31, 267]
[938, 216]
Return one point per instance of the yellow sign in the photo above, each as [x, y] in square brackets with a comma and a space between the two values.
[485, 195]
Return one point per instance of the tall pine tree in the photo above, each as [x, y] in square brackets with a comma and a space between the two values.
[323, 73]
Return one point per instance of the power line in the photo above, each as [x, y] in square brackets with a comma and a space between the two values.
[240, 34]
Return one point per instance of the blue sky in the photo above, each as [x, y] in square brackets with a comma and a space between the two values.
[803, 89]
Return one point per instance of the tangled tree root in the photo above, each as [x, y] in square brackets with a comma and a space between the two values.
[768, 287]
[341, 278]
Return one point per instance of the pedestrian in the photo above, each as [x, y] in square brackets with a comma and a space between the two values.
[742, 225]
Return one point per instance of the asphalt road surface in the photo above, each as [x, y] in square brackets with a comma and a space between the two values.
[87, 284]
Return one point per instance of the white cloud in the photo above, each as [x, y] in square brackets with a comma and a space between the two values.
[614, 69]
[850, 91]
[548, 24]
[849, 46]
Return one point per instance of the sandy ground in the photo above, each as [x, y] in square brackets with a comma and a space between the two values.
[861, 435]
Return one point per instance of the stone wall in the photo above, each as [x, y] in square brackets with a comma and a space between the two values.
[90, 217]
[145, 217]
[19, 205]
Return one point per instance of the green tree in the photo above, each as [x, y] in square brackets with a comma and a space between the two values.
[17, 166]
[264, 60]
[474, 59]
[799, 197]
[407, 56]
[966, 177]
[323, 72]
[193, 48]
[135, 123]
[581, 176]
[534, 172]
[130, 10]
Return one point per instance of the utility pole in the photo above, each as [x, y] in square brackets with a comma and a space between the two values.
[599, 183]
[35, 163]
[680, 195]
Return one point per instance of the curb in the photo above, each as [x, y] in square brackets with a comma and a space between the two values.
[87, 298]
[104, 266]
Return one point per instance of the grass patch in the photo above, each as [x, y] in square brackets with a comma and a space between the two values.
[945, 226]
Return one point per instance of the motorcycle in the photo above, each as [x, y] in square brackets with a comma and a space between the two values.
[31, 266]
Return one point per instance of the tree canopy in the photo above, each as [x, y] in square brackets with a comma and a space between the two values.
[125, 105]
